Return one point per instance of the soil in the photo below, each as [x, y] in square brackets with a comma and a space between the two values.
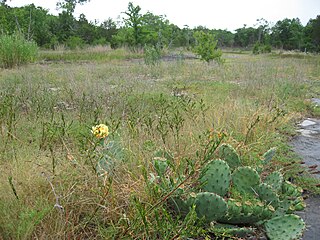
[307, 145]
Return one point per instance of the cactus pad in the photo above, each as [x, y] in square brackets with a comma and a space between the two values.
[275, 180]
[286, 227]
[267, 194]
[245, 179]
[229, 154]
[268, 155]
[161, 166]
[291, 190]
[227, 229]
[216, 177]
[246, 212]
[211, 206]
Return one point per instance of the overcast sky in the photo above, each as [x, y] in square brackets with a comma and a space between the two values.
[218, 14]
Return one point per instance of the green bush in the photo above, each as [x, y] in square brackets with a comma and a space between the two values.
[16, 50]
[75, 42]
[152, 55]
[261, 48]
[206, 47]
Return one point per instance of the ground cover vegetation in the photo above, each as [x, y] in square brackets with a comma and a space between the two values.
[144, 142]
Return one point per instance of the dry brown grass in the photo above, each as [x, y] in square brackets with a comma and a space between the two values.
[65, 100]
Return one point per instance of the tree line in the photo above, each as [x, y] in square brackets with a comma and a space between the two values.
[137, 30]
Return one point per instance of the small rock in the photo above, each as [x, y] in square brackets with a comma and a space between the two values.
[307, 123]
[316, 101]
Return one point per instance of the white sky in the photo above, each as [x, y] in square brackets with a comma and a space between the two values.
[221, 14]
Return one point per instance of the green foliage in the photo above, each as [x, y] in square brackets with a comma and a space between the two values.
[152, 55]
[288, 34]
[134, 21]
[74, 42]
[259, 48]
[245, 37]
[139, 29]
[206, 47]
[15, 50]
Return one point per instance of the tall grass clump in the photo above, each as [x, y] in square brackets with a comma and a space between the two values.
[15, 50]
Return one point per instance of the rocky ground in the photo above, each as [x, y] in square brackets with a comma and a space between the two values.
[307, 145]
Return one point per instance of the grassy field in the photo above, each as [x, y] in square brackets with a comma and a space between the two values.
[50, 188]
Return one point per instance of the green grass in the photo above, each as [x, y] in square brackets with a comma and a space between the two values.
[98, 53]
[15, 50]
[47, 111]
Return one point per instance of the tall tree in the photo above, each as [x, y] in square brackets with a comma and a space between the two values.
[288, 34]
[70, 5]
[245, 37]
[134, 21]
[312, 35]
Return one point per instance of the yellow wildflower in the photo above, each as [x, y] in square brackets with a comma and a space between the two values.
[100, 131]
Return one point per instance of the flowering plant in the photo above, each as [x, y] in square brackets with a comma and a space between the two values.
[110, 151]
[100, 131]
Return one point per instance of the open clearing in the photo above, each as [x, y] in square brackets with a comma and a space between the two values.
[48, 154]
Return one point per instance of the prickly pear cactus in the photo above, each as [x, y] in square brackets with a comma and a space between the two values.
[247, 212]
[267, 156]
[228, 153]
[291, 190]
[286, 227]
[115, 153]
[161, 166]
[245, 179]
[182, 206]
[266, 194]
[211, 206]
[216, 177]
[231, 230]
[275, 180]
[248, 200]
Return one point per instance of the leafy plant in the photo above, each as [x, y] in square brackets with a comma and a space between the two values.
[152, 55]
[261, 48]
[206, 47]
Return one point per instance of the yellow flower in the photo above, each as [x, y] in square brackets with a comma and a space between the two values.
[100, 131]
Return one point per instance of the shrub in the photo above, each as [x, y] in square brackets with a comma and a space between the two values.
[75, 42]
[206, 47]
[261, 48]
[16, 50]
[152, 55]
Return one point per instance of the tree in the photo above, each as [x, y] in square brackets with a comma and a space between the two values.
[245, 37]
[134, 21]
[288, 34]
[225, 38]
[263, 31]
[312, 35]
[70, 5]
[205, 47]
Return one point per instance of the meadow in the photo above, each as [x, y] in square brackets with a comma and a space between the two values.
[51, 187]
